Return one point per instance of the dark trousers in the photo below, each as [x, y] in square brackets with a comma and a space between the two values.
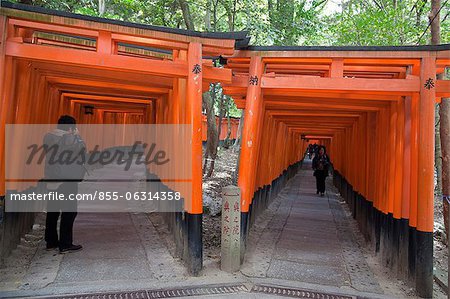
[320, 181]
[67, 211]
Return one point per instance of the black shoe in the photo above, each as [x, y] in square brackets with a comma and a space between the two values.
[322, 194]
[71, 248]
[317, 192]
[51, 247]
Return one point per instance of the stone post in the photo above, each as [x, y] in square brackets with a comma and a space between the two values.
[231, 228]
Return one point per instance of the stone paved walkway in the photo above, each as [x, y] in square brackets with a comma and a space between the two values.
[307, 238]
[302, 241]
[119, 249]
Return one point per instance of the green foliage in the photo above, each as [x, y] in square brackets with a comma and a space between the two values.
[372, 23]
[281, 22]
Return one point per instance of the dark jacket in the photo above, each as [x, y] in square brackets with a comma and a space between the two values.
[320, 164]
[65, 156]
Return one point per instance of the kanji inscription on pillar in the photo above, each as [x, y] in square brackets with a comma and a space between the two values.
[231, 229]
[429, 84]
[253, 80]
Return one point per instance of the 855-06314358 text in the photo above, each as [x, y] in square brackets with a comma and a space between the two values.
[97, 195]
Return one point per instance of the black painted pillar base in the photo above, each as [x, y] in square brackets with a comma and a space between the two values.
[395, 249]
[369, 222]
[385, 239]
[177, 232]
[424, 264]
[404, 249]
[194, 257]
[403, 246]
[412, 250]
[244, 233]
[377, 230]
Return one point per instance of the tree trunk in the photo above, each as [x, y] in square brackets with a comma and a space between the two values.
[227, 138]
[215, 14]
[237, 142]
[435, 26]
[208, 15]
[437, 154]
[270, 9]
[444, 110]
[219, 124]
[211, 141]
[230, 8]
[237, 146]
[101, 7]
[186, 14]
[445, 147]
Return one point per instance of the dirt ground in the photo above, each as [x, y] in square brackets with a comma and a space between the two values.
[440, 240]
[212, 201]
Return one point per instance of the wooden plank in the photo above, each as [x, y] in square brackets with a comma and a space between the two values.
[297, 114]
[215, 74]
[345, 54]
[326, 128]
[283, 58]
[240, 103]
[238, 88]
[315, 120]
[176, 68]
[114, 28]
[96, 60]
[443, 88]
[52, 28]
[337, 68]
[330, 95]
[149, 42]
[72, 71]
[215, 50]
[106, 85]
[443, 54]
[386, 86]
[104, 42]
[318, 105]
[106, 98]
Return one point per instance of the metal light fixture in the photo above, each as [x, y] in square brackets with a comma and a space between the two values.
[88, 109]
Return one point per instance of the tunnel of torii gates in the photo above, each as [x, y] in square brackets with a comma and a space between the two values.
[372, 107]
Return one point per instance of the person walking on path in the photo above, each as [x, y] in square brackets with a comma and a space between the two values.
[320, 166]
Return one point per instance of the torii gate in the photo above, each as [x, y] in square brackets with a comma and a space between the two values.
[374, 109]
[54, 63]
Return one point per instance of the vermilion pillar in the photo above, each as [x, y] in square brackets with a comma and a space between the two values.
[3, 100]
[248, 156]
[253, 109]
[8, 71]
[406, 159]
[194, 114]
[425, 184]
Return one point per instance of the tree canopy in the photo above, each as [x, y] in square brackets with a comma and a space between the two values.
[279, 22]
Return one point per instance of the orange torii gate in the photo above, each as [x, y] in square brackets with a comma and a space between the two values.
[233, 126]
[373, 107]
[54, 63]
